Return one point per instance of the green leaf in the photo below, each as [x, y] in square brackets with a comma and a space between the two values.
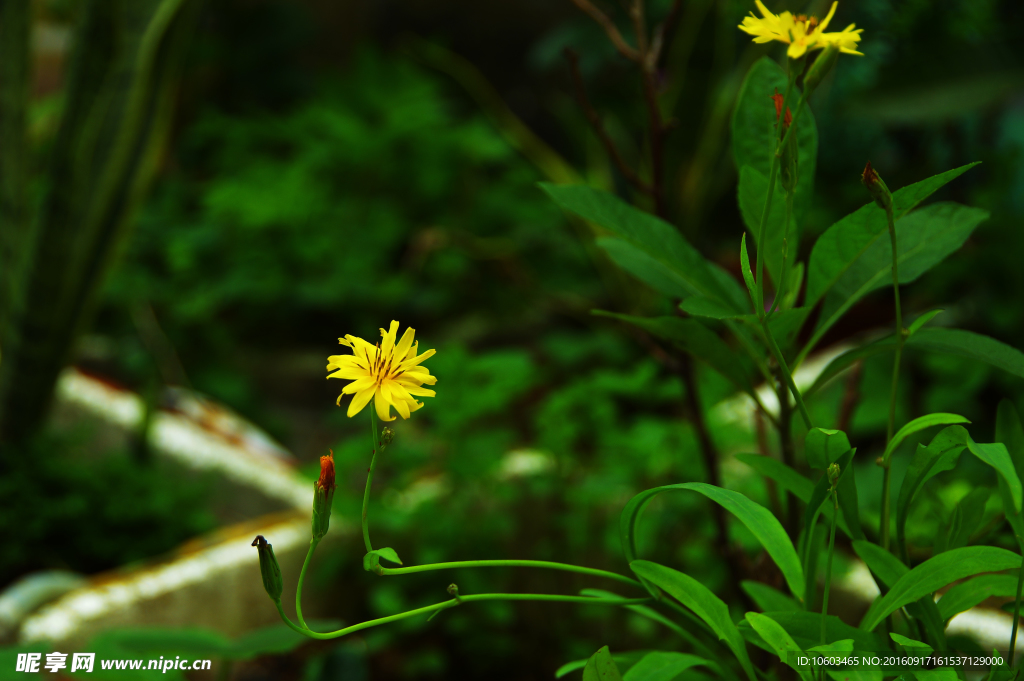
[890, 570]
[887, 567]
[759, 520]
[964, 521]
[966, 595]
[645, 267]
[701, 601]
[663, 666]
[371, 561]
[941, 455]
[652, 237]
[789, 479]
[601, 667]
[823, 446]
[805, 628]
[782, 643]
[937, 572]
[656, 616]
[748, 276]
[919, 424]
[940, 674]
[843, 243]
[911, 646]
[698, 340]
[922, 320]
[996, 455]
[924, 238]
[751, 193]
[754, 132]
[767, 598]
[623, 660]
[948, 341]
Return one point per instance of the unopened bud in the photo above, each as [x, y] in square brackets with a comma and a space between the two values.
[875, 185]
[323, 496]
[820, 68]
[453, 590]
[833, 475]
[269, 568]
[788, 153]
[387, 436]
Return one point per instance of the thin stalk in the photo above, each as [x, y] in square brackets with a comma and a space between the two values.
[777, 354]
[808, 547]
[511, 563]
[302, 577]
[369, 478]
[828, 563]
[884, 529]
[783, 278]
[444, 605]
[772, 176]
[1016, 602]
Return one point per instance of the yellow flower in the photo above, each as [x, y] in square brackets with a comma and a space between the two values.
[799, 32]
[391, 373]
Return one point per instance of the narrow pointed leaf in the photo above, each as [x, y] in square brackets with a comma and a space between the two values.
[966, 595]
[842, 244]
[701, 601]
[601, 667]
[759, 520]
[919, 424]
[937, 572]
[782, 643]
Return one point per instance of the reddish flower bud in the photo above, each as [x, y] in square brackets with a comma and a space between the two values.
[323, 496]
[778, 99]
[326, 480]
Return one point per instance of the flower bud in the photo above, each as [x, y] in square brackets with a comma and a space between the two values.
[387, 436]
[833, 475]
[269, 568]
[875, 185]
[820, 68]
[323, 496]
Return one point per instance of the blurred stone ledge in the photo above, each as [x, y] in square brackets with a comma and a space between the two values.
[212, 581]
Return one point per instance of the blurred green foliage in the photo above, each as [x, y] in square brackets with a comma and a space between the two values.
[71, 508]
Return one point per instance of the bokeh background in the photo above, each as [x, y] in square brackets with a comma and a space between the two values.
[332, 166]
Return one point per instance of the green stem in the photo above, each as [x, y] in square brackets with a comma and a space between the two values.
[884, 529]
[511, 563]
[783, 278]
[302, 576]
[1016, 603]
[369, 478]
[828, 563]
[444, 605]
[772, 177]
[777, 354]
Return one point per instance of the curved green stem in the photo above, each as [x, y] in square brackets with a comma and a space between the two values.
[511, 563]
[284, 617]
[369, 478]
[884, 529]
[302, 577]
[444, 605]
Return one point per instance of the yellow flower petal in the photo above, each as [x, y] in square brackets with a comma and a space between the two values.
[382, 406]
[831, 12]
[359, 401]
